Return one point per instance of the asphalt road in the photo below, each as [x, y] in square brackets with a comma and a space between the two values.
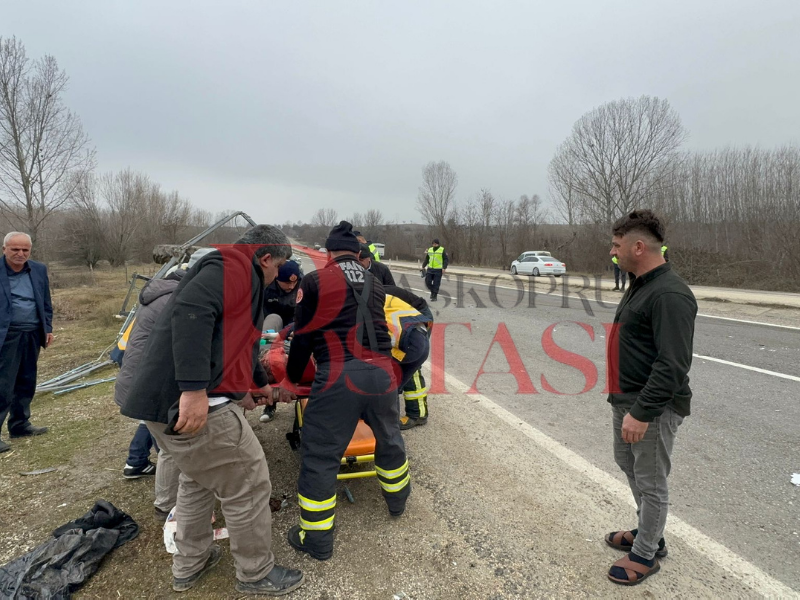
[732, 503]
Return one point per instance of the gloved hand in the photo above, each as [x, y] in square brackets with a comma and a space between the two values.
[422, 273]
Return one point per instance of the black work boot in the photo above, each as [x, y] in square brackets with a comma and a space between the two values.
[181, 584]
[4, 447]
[279, 581]
[413, 410]
[304, 541]
[410, 422]
[27, 431]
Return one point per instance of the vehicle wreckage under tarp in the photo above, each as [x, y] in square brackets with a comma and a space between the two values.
[169, 256]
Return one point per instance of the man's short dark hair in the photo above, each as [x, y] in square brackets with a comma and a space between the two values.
[643, 221]
[271, 240]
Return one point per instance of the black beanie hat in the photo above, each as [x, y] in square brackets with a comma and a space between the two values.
[341, 237]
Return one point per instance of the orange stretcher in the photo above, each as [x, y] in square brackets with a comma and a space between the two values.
[360, 450]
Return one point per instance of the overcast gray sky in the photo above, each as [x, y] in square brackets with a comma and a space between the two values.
[281, 108]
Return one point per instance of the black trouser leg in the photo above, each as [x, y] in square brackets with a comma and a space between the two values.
[415, 394]
[433, 281]
[329, 421]
[429, 281]
[25, 386]
[417, 347]
[18, 358]
[382, 415]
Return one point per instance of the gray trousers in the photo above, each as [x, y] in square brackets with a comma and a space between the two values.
[647, 464]
[167, 474]
[223, 460]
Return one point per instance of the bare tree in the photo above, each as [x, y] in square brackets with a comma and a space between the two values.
[175, 216]
[503, 215]
[325, 217]
[561, 176]
[357, 220]
[83, 235]
[530, 214]
[44, 153]
[486, 208]
[373, 219]
[437, 195]
[619, 155]
[124, 195]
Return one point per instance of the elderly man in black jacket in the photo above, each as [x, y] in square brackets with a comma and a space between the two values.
[649, 358]
[200, 359]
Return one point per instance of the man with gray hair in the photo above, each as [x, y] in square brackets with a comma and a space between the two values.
[26, 326]
[200, 360]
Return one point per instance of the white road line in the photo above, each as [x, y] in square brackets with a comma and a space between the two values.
[748, 367]
[749, 322]
[726, 362]
[515, 289]
[731, 562]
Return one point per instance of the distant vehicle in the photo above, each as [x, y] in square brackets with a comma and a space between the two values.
[538, 263]
[379, 248]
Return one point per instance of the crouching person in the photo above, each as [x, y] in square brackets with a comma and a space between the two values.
[202, 357]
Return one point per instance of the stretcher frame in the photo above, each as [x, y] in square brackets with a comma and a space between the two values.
[360, 450]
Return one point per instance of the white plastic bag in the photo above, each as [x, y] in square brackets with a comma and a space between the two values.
[171, 528]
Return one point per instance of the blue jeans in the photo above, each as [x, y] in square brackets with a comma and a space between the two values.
[139, 450]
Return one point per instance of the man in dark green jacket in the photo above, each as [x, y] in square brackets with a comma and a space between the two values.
[649, 357]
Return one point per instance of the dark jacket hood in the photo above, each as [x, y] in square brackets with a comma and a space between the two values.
[160, 287]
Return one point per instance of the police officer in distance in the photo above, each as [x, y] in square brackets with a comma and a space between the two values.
[436, 261]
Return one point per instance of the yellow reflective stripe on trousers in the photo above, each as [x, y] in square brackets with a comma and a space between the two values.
[317, 525]
[395, 487]
[394, 473]
[309, 504]
[415, 395]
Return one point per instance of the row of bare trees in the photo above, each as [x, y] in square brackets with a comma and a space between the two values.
[122, 216]
[44, 152]
[732, 214]
[483, 231]
[47, 183]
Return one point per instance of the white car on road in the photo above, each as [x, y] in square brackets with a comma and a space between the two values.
[537, 263]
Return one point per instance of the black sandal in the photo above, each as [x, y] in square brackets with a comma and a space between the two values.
[634, 571]
[623, 540]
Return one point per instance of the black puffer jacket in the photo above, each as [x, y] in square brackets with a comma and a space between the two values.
[193, 346]
[152, 300]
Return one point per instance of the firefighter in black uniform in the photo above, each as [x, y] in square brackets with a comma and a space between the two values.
[340, 320]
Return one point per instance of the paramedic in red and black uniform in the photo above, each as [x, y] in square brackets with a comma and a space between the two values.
[339, 319]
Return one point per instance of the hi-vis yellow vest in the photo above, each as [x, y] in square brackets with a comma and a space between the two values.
[435, 257]
[374, 251]
[400, 316]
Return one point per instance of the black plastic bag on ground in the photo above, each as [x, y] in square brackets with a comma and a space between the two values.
[54, 569]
